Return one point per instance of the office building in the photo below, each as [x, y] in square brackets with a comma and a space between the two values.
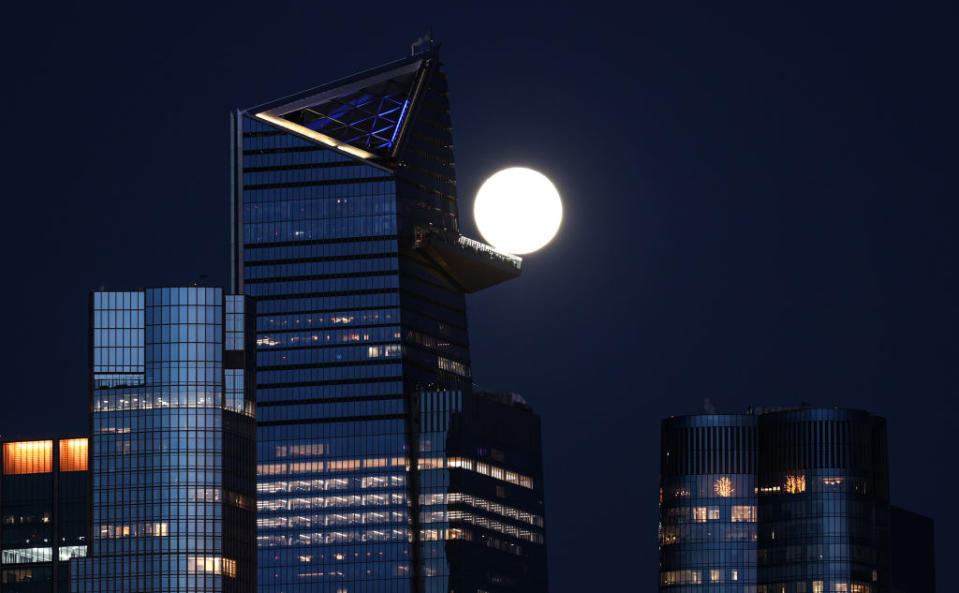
[345, 230]
[172, 443]
[783, 501]
[912, 554]
[43, 513]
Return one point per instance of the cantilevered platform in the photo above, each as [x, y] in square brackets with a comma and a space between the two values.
[470, 264]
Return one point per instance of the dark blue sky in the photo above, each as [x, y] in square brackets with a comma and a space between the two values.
[760, 209]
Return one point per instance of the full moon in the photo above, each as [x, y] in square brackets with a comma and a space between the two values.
[518, 210]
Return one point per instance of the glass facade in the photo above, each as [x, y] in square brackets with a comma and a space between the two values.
[809, 489]
[708, 504]
[361, 338]
[43, 513]
[172, 443]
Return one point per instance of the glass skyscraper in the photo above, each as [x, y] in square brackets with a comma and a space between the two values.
[784, 501]
[374, 472]
[172, 443]
[708, 503]
[43, 513]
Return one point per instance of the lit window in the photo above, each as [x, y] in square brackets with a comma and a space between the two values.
[28, 457]
[743, 514]
[714, 575]
[73, 455]
[211, 565]
[67, 552]
[817, 587]
[699, 514]
[795, 484]
[26, 555]
[734, 575]
[724, 487]
[713, 513]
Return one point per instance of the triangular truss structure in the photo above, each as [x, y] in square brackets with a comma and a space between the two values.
[364, 115]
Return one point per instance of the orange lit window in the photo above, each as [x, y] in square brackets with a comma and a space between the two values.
[73, 455]
[28, 457]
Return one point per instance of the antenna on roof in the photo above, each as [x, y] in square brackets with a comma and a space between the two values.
[422, 40]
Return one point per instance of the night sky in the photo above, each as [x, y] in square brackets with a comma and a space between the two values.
[760, 210]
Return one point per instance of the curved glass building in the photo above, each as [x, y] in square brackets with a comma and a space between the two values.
[823, 502]
[172, 443]
[784, 501]
[707, 533]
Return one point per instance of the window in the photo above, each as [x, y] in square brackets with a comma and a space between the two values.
[714, 575]
[699, 514]
[733, 575]
[68, 552]
[743, 514]
[27, 555]
[73, 455]
[28, 457]
[713, 513]
[817, 587]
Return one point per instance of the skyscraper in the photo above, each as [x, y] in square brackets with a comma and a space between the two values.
[785, 501]
[708, 503]
[43, 513]
[172, 443]
[346, 231]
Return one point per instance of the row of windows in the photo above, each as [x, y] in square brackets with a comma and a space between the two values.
[36, 555]
[339, 373]
[273, 394]
[300, 339]
[177, 314]
[375, 482]
[841, 551]
[331, 519]
[330, 410]
[206, 478]
[196, 389]
[329, 228]
[342, 536]
[697, 514]
[327, 303]
[720, 535]
[288, 287]
[302, 356]
[256, 149]
[251, 179]
[326, 268]
[696, 577]
[269, 253]
[453, 498]
[319, 319]
[355, 189]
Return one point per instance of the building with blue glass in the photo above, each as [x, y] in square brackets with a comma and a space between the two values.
[782, 501]
[376, 469]
[44, 491]
[172, 446]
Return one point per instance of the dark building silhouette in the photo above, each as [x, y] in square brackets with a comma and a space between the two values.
[784, 501]
[172, 451]
[43, 513]
[912, 552]
[377, 471]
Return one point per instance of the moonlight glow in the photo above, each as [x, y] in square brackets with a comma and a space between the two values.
[518, 210]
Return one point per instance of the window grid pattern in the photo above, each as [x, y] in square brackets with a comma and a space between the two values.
[801, 495]
[172, 503]
[351, 328]
[708, 509]
[42, 515]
